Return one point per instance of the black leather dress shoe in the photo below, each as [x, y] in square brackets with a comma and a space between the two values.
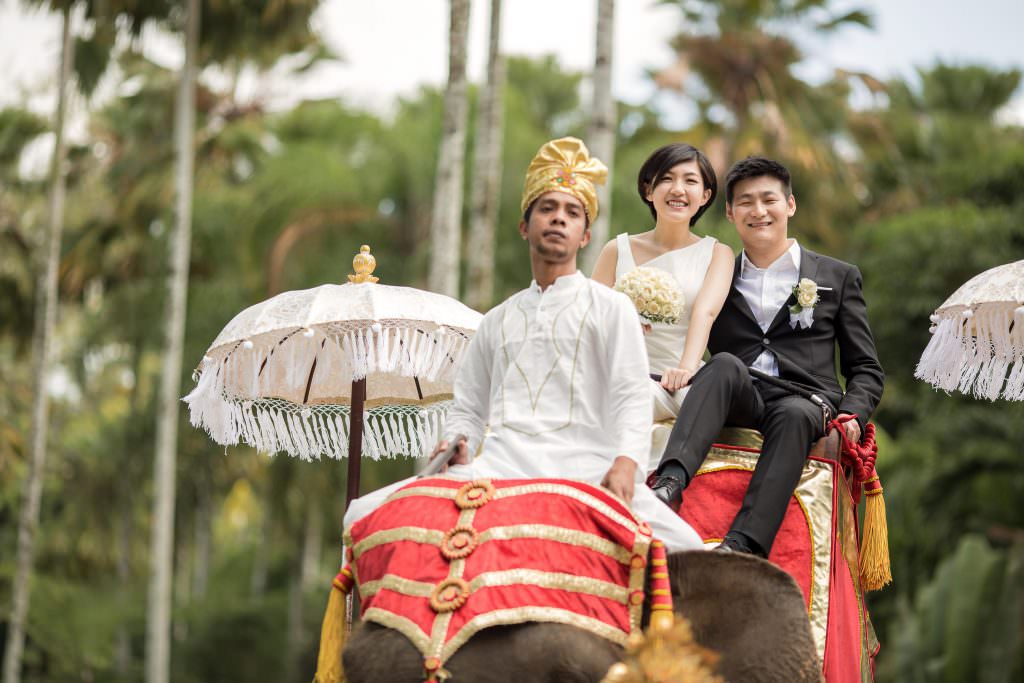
[735, 544]
[669, 490]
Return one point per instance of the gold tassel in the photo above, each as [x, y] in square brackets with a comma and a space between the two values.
[332, 634]
[662, 617]
[875, 571]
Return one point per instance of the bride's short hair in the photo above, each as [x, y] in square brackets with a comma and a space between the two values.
[662, 160]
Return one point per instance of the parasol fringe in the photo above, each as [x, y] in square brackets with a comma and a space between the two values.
[335, 429]
[397, 340]
[976, 355]
[261, 425]
[394, 435]
[414, 341]
[298, 433]
[371, 347]
[272, 425]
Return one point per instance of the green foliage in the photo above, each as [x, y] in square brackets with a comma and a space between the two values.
[925, 196]
[943, 184]
[92, 56]
[965, 624]
[740, 59]
[19, 205]
[17, 128]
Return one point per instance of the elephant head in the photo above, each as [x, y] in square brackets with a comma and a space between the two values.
[747, 610]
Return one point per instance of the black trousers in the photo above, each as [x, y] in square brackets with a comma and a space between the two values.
[723, 393]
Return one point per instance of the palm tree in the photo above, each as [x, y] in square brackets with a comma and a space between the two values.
[446, 218]
[46, 318]
[742, 58]
[601, 136]
[487, 173]
[158, 614]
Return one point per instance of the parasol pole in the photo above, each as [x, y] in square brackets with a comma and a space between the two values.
[355, 439]
[363, 263]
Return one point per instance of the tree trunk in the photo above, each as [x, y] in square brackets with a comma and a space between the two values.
[487, 173]
[42, 342]
[603, 122]
[158, 613]
[446, 218]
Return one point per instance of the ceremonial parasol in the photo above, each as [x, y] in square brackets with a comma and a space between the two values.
[977, 343]
[359, 367]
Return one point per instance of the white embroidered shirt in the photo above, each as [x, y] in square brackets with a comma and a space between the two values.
[560, 376]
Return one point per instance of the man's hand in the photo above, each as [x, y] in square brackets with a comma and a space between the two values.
[675, 379]
[852, 430]
[461, 452]
[621, 478]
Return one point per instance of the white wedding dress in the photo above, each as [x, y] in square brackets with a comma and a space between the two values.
[665, 342]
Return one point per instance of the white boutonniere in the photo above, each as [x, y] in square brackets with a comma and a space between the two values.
[807, 296]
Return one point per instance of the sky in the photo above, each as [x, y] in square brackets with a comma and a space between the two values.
[391, 47]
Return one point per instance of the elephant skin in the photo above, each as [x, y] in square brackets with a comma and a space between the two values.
[536, 652]
[748, 610]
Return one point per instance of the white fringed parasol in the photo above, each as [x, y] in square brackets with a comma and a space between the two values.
[287, 373]
[977, 344]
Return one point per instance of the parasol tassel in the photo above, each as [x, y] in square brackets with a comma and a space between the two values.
[875, 571]
[329, 668]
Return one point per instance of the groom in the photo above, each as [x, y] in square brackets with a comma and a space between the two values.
[787, 312]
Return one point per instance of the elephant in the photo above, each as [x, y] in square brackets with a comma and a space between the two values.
[746, 609]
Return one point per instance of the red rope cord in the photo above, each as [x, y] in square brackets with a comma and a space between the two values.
[859, 457]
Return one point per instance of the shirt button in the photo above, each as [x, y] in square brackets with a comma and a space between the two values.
[766, 341]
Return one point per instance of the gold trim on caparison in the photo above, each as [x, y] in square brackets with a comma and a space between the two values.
[519, 615]
[546, 532]
[555, 580]
[404, 533]
[574, 493]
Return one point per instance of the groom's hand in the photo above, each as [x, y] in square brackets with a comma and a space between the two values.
[621, 478]
[852, 430]
[461, 452]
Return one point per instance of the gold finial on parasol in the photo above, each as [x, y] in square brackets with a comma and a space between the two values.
[363, 263]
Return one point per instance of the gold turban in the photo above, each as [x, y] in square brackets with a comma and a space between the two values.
[565, 165]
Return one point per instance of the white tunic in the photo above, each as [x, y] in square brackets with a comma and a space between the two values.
[560, 377]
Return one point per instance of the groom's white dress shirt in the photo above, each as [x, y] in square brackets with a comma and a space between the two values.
[766, 291]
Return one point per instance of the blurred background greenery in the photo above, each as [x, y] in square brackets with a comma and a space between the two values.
[920, 183]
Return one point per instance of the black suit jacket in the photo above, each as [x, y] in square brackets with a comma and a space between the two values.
[808, 356]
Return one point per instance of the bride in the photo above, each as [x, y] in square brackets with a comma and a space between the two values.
[678, 184]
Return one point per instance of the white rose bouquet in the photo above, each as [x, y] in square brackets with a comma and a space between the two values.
[654, 292]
